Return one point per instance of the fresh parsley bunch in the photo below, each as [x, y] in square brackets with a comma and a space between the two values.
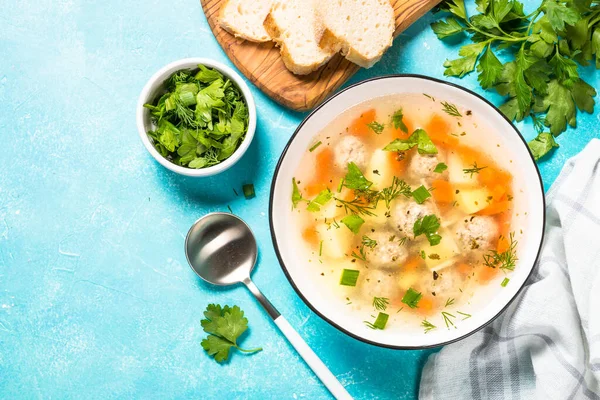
[201, 119]
[544, 48]
[224, 326]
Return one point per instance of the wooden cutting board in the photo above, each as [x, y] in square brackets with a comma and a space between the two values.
[261, 63]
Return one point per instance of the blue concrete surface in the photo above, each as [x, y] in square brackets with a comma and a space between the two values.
[96, 298]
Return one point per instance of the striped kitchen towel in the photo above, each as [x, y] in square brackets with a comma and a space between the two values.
[546, 345]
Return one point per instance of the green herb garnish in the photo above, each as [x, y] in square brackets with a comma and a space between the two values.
[451, 109]
[418, 138]
[361, 255]
[465, 315]
[504, 282]
[355, 179]
[449, 302]
[507, 260]
[349, 277]
[296, 195]
[314, 146]
[474, 170]
[320, 248]
[428, 226]
[411, 298]
[353, 222]
[200, 120]
[248, 190]
[380, 321]
[322, 198]
[447, 318]
[368, 242]
[543, 48]
[396, 189]
[421, 194]
[380, 303]
[441, 167]
[376, 127]
[224, 326]
[544, 142]
[398, 122]
[427, 325]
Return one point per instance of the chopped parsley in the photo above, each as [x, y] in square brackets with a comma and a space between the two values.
[418, 138]
[428, 226]
[376, 127]
[441, 167]
[397, 121]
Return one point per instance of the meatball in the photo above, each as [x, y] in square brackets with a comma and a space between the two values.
[422, 165]
[449, 282]
[386, 253]
[406, 213]
[477, 232]
[350, 149]
[379, 283]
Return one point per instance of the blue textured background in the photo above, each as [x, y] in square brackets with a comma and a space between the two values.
[96, 299]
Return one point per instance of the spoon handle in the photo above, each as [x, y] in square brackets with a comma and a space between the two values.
[309, 356]
[313, 361]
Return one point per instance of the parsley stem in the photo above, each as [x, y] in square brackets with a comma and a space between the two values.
[249, 350]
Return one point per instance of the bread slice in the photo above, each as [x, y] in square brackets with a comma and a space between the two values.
[297, 28]
[245, 18]
[361, 29]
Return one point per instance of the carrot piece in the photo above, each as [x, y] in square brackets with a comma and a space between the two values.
[442, 191]
[491, 176]
[498, 192]
[503, 244]
[324, 166]
[464, 269]
[359, 126]
[425, 305]
[495, 208]
[438, 130]
[412, 264]
[311, 236]
[486, 274]
[398, 166]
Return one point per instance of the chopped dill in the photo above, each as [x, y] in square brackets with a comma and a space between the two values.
[427, 325]
[380, 303]
[447, 319]
[474, 170]
[449, 302]
[451, 109]
[396, 189]
[465, 315]
[507, 260]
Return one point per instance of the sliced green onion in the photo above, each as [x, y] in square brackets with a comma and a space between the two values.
[321, 248]
[322, 198]
[349, 277]
[248, 191]
[411, 298]
[353, 222]
[441, 167]
[314, 146]
[421, 194]
[505, 282]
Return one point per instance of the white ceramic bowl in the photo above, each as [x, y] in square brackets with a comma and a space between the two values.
[486, 303]
[155, 86]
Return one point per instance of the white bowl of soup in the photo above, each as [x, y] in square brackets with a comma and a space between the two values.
[407, 212]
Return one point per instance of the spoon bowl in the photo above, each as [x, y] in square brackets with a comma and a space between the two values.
[221, 249]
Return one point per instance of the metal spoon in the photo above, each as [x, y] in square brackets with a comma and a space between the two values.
[221, 249]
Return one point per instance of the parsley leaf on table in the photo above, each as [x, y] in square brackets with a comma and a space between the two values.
[542, 145]
[224, 326]
[543, 51]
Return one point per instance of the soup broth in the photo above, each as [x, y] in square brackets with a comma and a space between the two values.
[403, 214]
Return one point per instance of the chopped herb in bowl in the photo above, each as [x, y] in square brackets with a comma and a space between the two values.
[200, 119]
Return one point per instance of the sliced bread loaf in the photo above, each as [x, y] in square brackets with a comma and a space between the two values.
[361, 29]
[297, 28]
[245, 18]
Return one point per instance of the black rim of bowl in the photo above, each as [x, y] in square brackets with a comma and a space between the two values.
[288, 275]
